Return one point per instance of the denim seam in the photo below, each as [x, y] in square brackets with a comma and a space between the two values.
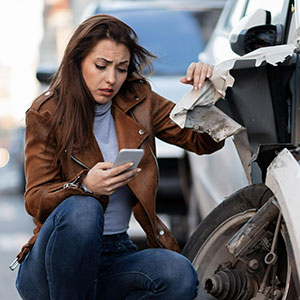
[133, 272]
[146, 296]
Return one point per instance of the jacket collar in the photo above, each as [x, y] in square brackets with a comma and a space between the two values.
[137, 91]
[129, 132]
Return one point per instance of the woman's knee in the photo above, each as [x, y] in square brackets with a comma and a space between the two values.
[182, 271]
[187, 280]
[82, 214]
[176, 274]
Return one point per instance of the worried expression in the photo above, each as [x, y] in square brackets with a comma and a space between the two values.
[105, 69]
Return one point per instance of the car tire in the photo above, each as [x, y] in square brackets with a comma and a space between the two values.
[202, 248]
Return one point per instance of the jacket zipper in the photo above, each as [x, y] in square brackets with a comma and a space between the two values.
[67, 185]
[73, 183]
[79, 162]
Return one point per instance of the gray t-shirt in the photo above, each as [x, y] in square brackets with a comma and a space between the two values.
[119, 209]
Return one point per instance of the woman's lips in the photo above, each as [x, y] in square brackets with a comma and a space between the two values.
[106, 92]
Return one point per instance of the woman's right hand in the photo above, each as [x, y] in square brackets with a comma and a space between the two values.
[103, 179]
[197, 73]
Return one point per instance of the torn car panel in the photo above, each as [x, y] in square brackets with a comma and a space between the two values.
[215, 88]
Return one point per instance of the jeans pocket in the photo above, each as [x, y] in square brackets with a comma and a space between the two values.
[109, 247]
[129, 245]
[119, 246]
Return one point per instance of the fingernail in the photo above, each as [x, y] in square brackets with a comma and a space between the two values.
[195, 88]
[189, 78]
[200, 85]
[131, 164]
[139, 170]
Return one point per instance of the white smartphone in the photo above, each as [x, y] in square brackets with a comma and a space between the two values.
[129, 155]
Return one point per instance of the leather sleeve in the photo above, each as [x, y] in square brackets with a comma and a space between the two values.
[166, 130]
[45, 188]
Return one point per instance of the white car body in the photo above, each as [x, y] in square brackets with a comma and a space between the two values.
[217, 176]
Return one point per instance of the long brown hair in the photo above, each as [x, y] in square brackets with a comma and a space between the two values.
[74, 114]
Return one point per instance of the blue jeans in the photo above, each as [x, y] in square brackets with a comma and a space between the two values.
[72, 260]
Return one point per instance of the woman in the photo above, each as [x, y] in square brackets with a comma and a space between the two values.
[98, 103]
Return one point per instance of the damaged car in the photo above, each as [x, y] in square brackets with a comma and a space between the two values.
[248, 246]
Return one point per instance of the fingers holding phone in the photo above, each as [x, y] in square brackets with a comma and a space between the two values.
[123, 174]
[105, 178]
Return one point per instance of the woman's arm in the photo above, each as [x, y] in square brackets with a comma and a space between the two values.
[45, 187]
[168, 131]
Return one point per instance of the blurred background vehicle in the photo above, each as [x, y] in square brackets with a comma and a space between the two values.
[175, 31]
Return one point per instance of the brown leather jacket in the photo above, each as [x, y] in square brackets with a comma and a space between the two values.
[139, 117]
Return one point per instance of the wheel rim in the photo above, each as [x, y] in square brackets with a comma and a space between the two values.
[214, 254]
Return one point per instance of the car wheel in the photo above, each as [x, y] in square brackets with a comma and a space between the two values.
[222, 275]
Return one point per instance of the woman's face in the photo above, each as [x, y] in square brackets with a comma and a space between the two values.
[104, 69]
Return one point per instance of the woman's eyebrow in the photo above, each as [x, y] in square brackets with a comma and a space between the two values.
[110, 62]
[124, 62]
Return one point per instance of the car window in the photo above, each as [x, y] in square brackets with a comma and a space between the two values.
[236, 13]
[241, 8]
[274, 6]
[176, 37]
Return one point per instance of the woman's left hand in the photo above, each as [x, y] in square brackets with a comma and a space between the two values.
[197, 73]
